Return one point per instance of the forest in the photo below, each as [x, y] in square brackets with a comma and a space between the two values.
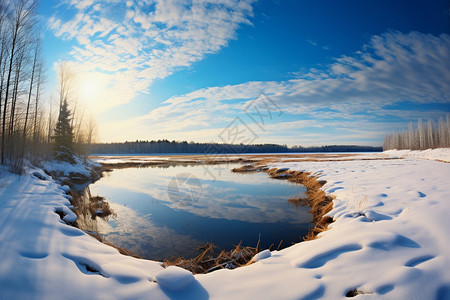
[424, 136]
[165, 146]
[28, 125]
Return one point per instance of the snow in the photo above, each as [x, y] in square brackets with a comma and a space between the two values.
[173, 278]
[441, 154]
[65, 168]
[262, 255]
[127, 159]
[389, 240]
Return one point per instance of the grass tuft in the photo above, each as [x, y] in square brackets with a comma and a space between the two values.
[208, 261]
[319, 202]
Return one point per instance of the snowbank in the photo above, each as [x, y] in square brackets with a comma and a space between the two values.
[389, 241]
[441, 154]
[44, 258]
[80, 171]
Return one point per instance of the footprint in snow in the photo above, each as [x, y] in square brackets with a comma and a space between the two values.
[418, 260]
[321, 259]
[34, 254]
[71, 231]
[416, 194]
[332, 190]
[388, 241]
[86, 266]
[368, 215]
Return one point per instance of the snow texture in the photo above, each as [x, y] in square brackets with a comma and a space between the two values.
[389, 240]
[173, 278]
[261, 255]
[62, 167]
[441, 154]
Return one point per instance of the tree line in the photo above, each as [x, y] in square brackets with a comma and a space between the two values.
[21, 80]
[424, 136]
[165, 146]
[27, 124]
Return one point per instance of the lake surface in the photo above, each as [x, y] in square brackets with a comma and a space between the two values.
[163, 212]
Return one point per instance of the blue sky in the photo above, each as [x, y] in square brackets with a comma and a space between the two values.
[290, 71]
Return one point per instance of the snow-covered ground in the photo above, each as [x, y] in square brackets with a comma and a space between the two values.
[441, 154]
[390, 240]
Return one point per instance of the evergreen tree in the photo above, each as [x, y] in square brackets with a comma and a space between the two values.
[64, 135]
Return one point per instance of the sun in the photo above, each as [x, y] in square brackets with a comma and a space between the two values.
[88, 89]
[91, 87]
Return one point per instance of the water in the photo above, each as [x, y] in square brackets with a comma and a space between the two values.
[163, 212]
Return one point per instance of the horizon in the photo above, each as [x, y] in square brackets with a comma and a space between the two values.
[255, 144]
[285, 72]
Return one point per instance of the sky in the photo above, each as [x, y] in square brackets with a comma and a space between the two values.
[292, 72]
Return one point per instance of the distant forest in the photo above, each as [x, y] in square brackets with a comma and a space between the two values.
[165, 146]
[424, 136]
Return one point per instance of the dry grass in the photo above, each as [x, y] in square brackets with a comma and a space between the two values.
[358, 202]
[298, 201]
[319, 202]
[207, 261]
[98, 206]
[250, 169]
[245, 169]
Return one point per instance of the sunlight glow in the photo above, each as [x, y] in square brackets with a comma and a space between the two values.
[91, 88]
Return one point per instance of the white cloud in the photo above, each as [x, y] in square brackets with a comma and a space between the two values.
[351, 95]
[147, 40]
[312, 42]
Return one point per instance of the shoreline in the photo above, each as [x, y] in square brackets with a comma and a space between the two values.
[320, 204]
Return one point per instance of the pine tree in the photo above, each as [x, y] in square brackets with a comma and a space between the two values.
[64, 135]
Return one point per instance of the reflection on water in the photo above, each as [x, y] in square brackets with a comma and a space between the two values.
[165, 212]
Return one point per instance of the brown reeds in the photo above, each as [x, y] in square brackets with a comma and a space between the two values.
[98, 206]
[319, 202]
[207, 261]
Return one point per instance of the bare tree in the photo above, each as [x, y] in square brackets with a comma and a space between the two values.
[50, 122]
[30, 90]
[430, 134]
[66, 78]
[421, 134]
[39, 83]
[424, 137]
[32, 84]
[411, 144]
[22, 20]
[18, 72]
[91, 131]
[4, 8]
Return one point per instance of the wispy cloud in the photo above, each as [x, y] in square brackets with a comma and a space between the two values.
[315, 44]
[311, 42]
[352, 94]
[136, 42]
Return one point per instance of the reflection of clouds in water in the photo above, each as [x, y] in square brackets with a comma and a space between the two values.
[184, 189]
[249, 209]
[218, 199]
[138, 234]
